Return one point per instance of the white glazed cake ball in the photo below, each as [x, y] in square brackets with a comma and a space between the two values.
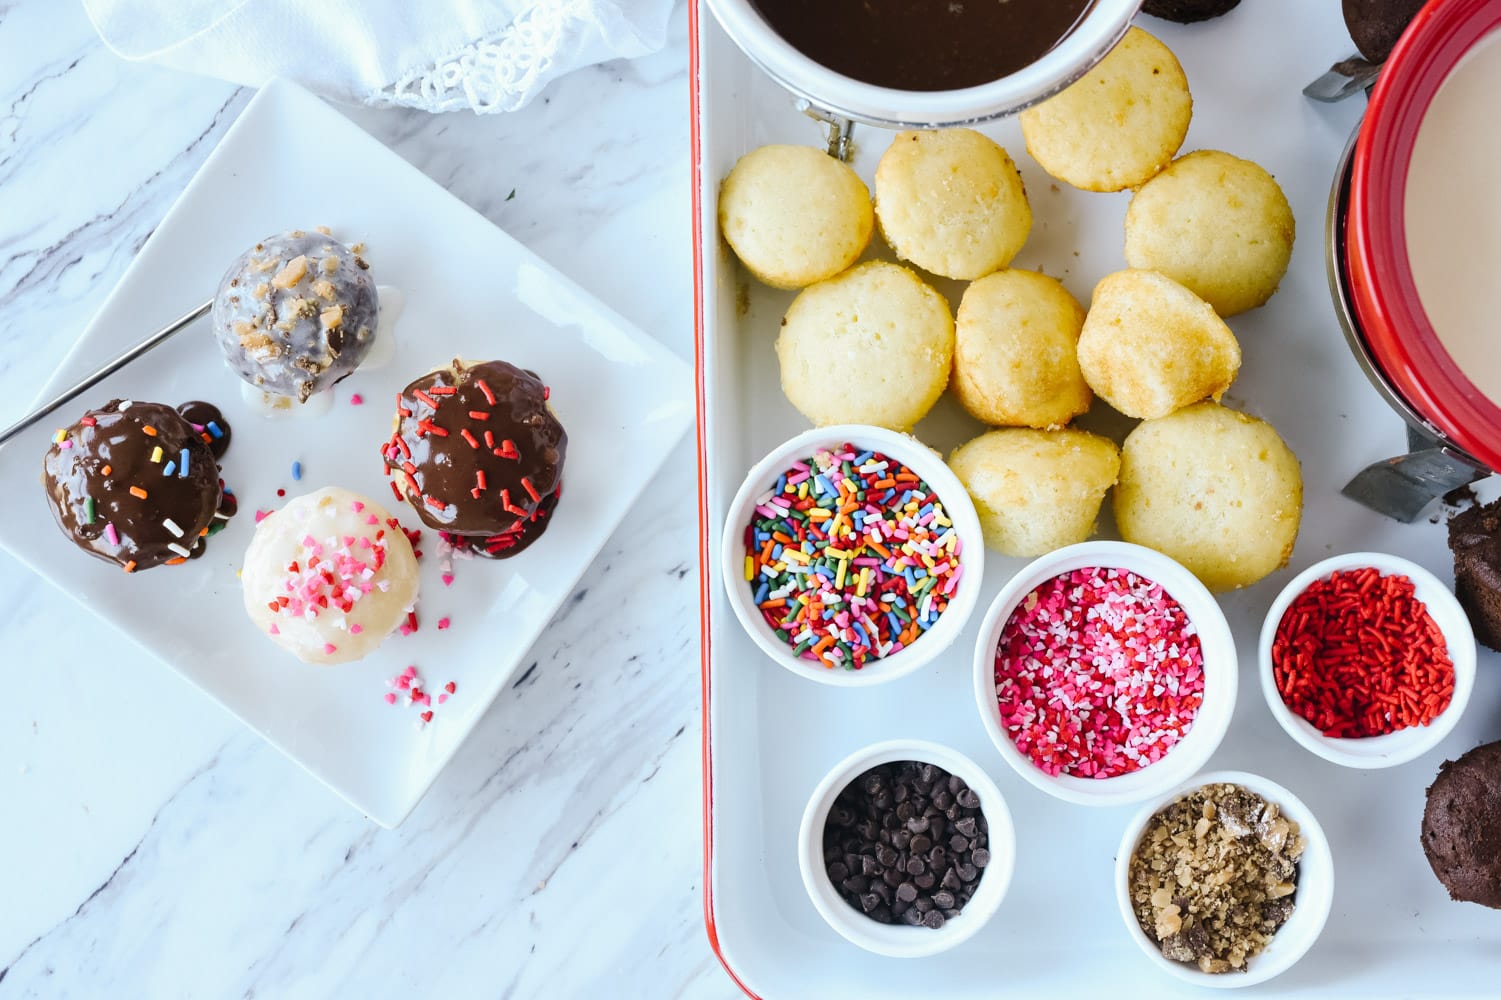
[338, 569]
[296, 313]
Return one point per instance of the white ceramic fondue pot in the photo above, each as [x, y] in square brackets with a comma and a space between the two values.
[1095, 35]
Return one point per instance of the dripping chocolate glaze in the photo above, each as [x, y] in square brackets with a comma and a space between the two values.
[514, 539]
[206, 418]
[468, 484]
[923, 44]
[109, 451]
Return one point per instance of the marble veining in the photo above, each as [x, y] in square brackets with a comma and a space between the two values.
[158, 849]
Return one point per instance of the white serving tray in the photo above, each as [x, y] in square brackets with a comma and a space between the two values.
[769, 736]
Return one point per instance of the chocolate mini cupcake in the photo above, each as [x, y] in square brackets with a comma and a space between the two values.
[1462, 826]
[1475, 540]
[1375, 25]
[478, 454]
[296, 313]
[1188, 11]
[137, 483]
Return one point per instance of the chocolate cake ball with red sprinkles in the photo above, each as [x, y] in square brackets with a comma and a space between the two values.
[478, 453]
[137, 483]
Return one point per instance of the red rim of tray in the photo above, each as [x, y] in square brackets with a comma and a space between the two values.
[711, 926]
[1382, 289]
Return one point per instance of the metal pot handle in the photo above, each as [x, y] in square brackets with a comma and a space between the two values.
[1403, 487]
[838, 129]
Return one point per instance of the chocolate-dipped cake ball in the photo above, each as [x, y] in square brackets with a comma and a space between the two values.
[296, 313]
[136, 483]
[478, 454]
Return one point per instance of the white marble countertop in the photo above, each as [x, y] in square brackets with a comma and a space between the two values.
[154, 847]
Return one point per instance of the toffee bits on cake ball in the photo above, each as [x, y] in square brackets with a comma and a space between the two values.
[478, 453]
[296, 313]
[906, 843]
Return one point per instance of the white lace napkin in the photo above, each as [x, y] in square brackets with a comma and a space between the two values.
[437, 55]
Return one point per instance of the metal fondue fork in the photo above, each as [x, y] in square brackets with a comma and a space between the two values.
[109, 368]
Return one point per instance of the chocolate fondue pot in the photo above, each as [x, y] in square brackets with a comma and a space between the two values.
[841, 99]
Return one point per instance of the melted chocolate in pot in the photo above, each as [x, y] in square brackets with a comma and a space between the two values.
[923, 44]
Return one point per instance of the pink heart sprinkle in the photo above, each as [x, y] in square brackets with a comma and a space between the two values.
[356, 399]
[448, 579]
[442, 623]
[273, 630]
[356, 629]
[329, 648]
[390, 697]
[442, 698]
[410, 671]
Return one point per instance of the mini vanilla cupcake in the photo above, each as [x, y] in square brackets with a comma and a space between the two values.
[1119, 124]
[1016, 351]
[1215, 489]
[871, 346]
[1036, 491]
[794, 215]
[1149, 346]
[329, 576]
[951, 202]
[1218, 225]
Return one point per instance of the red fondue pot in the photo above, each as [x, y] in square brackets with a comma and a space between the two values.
[1377, 280]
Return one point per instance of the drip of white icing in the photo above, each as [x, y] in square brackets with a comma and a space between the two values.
[392, 301]
[274, 407]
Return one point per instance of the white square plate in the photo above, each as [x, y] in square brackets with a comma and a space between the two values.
[470, 291]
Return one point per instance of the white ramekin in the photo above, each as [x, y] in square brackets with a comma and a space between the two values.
[931, 469]
[902, 940]
[1220, 671]
[1404, 744]
[1096, 34]
[1311, 903]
